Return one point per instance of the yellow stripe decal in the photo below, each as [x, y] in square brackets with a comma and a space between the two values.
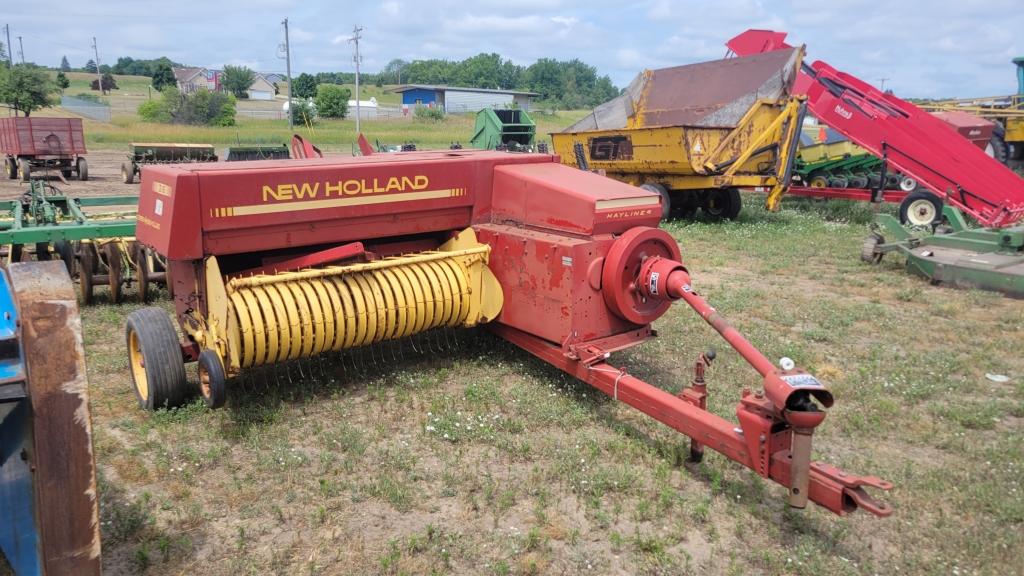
[335, 202]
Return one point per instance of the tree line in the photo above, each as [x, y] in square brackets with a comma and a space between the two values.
[563, 83]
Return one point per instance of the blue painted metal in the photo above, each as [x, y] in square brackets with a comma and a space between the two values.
[425, 97]
[19, 537]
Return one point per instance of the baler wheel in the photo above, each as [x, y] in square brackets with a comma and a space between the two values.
[154, 356]
[115, 272]
[212, 379]
[869, 252]
[725, 203]
[86, 268]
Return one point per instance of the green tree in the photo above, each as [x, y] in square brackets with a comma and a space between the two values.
[3, 55]
[303, 112]
[62, 81]
[393, 71]
[237, 80]
[25, 88]
[90, 66]
[109, 83]
[163, 76]
[201, 107]
[305, 86]
[332, 100]
[64, 65]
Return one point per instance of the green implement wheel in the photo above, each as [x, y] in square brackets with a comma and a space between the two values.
[154, 356]
[869, 250]
[920, 209]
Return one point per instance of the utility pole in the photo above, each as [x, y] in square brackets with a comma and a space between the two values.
[21, 50]
[10, 49]
[356, 30]
[882, 80]
[288, 66]
[99, 77]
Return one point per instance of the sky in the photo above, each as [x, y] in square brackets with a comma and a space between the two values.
[923, 48]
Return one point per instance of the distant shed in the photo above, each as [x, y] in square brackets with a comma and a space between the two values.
[454, 100]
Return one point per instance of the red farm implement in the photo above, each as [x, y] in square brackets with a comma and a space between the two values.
[273, 262]
[33, 144]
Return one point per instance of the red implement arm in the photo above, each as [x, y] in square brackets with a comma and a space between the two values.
[905, 136]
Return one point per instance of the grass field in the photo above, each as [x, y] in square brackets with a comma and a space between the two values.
[466, 456]
[328, 134]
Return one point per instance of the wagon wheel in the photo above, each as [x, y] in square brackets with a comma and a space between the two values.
[87, 267]
[143, 265]
[11, 168]
[115, 275]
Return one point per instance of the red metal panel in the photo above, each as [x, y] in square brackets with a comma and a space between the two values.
[974, 128]
[547, 283]
[556, 197]
[36, 136]
[861, 194]
[168, 215]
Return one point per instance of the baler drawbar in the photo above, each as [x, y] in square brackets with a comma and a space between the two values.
[273, 262]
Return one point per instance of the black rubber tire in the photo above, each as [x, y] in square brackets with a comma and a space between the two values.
[212, 379]
[43, 252]
[16, 252]
[997, 145]
[66, 251]
[906, 206]
[83, 169]
[1016, 150]
[24, 170]
[724, 203]
[142, 271]
[11, 168]
[86, 268]
[162, 363]
[127, 173]
[115, 271]
[818, 181]
[666, 200]
[868, 252]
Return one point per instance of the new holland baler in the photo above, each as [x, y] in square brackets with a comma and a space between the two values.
[276, 262]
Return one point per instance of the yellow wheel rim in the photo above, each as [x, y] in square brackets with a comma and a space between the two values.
[138, 366]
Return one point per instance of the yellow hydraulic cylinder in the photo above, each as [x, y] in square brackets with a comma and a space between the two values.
[272, 318]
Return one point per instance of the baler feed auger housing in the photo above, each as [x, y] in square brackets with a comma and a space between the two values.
[275, 262]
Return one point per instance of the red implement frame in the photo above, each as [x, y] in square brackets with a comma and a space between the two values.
[905, 136]
[860, 194]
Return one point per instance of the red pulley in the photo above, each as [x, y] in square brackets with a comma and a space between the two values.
[621, 274]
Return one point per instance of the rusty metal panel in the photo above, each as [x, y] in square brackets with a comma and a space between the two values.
[64, 468]
[706, 94]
